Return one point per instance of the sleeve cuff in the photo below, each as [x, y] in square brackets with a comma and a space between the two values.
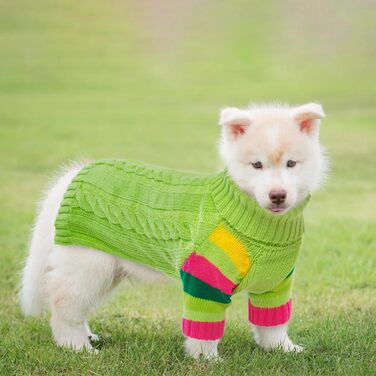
[269, 316]
[208, 331]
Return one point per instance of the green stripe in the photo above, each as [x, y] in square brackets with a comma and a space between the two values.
[196, 304]
[197, 309]
[203, 316]
[195, 287]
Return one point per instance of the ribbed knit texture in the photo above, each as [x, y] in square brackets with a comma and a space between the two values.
[269, 316]
[201, 227]
[203, 330]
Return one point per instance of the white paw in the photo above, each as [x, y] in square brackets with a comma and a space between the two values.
[291, 347]
[196, 347]
[94, 337]
[74, 340]
[286, 345]
[274, 337]
[75, 345]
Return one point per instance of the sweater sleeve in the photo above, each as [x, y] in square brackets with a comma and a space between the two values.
[207, 295]
[210, 275]
[272, 307]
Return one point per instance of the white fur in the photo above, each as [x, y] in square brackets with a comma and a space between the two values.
[270, 130]
[72, 280]
[196, 347]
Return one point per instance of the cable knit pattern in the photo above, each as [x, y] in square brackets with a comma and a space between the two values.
[202, 228]
[157, 227]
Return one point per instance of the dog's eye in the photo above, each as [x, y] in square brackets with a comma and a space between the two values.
[257, 164]
[291, 163]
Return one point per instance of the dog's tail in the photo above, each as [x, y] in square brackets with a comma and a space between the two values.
[42, 242]
[31, 295]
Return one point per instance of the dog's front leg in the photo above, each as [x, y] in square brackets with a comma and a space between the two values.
[196, 347]
[273, 337]
[269, 314]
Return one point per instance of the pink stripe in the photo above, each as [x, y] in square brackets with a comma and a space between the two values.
[269, 316]
[208, 331]
[203, 269]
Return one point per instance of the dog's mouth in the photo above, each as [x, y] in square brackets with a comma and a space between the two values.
[277, 209]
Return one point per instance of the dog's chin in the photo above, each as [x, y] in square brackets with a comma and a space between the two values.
[277, 210]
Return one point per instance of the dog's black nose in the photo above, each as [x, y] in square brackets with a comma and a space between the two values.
[277, 196]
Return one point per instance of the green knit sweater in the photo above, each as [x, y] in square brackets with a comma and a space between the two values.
[201, 227]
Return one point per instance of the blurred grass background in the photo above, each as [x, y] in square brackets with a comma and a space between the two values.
[145, 80]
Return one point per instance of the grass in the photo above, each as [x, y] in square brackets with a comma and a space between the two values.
[145, 80]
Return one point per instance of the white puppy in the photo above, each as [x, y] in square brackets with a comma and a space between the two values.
[272, 152]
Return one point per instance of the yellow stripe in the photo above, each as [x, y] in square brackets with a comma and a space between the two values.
[223, 239]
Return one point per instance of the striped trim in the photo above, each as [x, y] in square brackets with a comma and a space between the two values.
[197, 309]
[203, 269]
[226, 241]
[208, 331]
[195, 287]
[269, 316]
[222, 261]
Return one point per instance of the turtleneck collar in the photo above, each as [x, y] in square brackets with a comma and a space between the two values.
[243, 213]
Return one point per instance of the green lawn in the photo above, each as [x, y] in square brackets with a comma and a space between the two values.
[145, 80]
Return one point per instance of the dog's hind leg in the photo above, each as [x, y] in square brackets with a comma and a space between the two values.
[77, 280]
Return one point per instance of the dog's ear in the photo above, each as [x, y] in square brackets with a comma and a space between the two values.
[308, 117]
[234, 121]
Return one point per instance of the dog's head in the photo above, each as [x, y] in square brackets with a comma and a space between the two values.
[273, 153]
